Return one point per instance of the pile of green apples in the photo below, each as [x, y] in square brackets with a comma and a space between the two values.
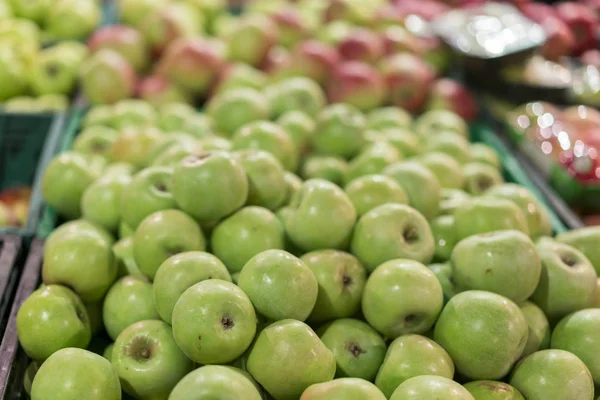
[278, 247]
[40, 52]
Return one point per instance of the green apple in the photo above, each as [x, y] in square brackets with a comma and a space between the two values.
[96, 139]
[493, 390]
[250, 38]
[215, 381]
[214, 322]
[330, 168]
[553, 374]
[108, 352]
[576, 333]
[52, 73]
[12, 69]
[133, 113]
[266, 180]
[36, 10]
[371, 191]
[171, 140]
[173, 155]
[50, 103]
[433, 122]
[98, 115]
[358, 349]
[567, 283]
[449, 143]
[174, 117]
[321, 216]
[539, 328]
[388, 118]
[201, 126]
[50, 319]
[163, 234]
[245, 234]
[421, 185]
[295, 94]
[596, 301]
[94, 311]
[73, 19]
[65, 255]
[101, 201]
[341, 279]
[134, 12]
[409, 356]
[280, 285]
[443, 273]
[210, 186]
[445, 168]
[405, 141]
[340, 131]
[289, 349]
[429, 387]
[444, 235]
[77, 226]
[488, 214]
[73, 374]
[134, 145]
[483, 332]
[181, 271]
[392, 231]
[30, 373]
[65, 180]
[342, 389]
[300, 127]
[293, 184]
[215, 143]
[402, 296]
[586, 241]
[104, 66]
[128, 301]
[147, 360]
[235, 108]
[480, 177]
[481, 152]
[490, 261]
[123, 251]
[240, 75]
[269, 137]
[538, 220]
[372, 160]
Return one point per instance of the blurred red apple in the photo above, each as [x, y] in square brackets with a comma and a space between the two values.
[292, 28]
[106, 77]
[314, 59]
[397, 39]
[408, 79]
[158, 91]
[426, 9]
[538, 12]
[591, 57]
[126, 41]
[560, 42]
[169, 23]
[452, 95]
[251, 38]
[357, 83]
[583, 23]
[362, 45]
[389, 15]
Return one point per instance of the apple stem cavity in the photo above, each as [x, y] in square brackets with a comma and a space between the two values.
[568, 259]
[410, 234]
[227, 322]
[355, 349]
[140, 349]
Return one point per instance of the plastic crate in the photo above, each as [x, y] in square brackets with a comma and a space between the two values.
[27, 144]
[10, 249]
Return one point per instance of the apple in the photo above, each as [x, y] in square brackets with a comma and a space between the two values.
[384, 118]
[340, 131]
[314, 59]
[361, 45]
[134, 12]
[443, 272]
[483, 332]
[35, 11]
[135, 142]
[30, 373]
[95, 140]
[480, 177]
[553, 373]
[233, 109]
[409, 356]
[52, 318]
[163, 234]
[568, 280]
[293, 184]
[582, 22]
[240, 75]
[98, 115]
[353, 11]
[101, 201]
[343, 388]
[372, 160]
[280, 285]
[585, 240]
[429, 387]
[421, 185]
[396, 38]
[291, 26]
[251, 38]
[158, 91]
[267, 187]
[52, 103]
[106, 77]
[125, 40]
[330, 168]
[52, 73]
[292, 350]
[433, 122]
[210, 186]
[216, 380]
[371, 191]
[444, 234]
[493, 390]
[300, 127]
[74, 374]
[407, 143]
[358, 84]
[72, 19]
[539, 328]
[453, 145]
[278, 64]
[295, 94]
[133, 113]
[148, 361]
[448, 94]
[445, 168]
[214, 322]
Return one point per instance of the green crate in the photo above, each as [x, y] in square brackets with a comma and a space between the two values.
[27, 144]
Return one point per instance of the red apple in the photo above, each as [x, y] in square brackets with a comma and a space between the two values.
[125, 40]
[362, 45]
[591, 57]
[582, 162]
[314, 59]
[408, 79]
[251, 38]
[452, 95]
[594, 5]
[397, 39]
[106, 77]
[292, 28]
[538, 12]
[583, 23]
[560, 42]
[169, 23]
[157, 90]
[426, 9]
[357, 83]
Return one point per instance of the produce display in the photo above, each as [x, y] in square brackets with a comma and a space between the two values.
[287, 205]
[14, 206]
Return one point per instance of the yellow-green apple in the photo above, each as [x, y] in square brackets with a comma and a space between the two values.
[72, 373]
[148, 361]
[451, 143]
[251, 38]
[539, 328]
[483, 332]
[433, 122]
[96, 140]
[246, 233]
[174, 21]
[371, 191]
[232, 109]
[52, 318]
[214, 322]
[240, 75]
[407, 143]
[490, 261]
[101, 201]
[333, 32]
[409, 356]
[106, 77]
[330, 168]
[373, 159]
[53, 73]
[215, 143]
[295, 94]
[216, 380]
[98, 115]
[134, 145]
[481, 152]
[551, 374]
[449, 94]
[480, 178]
[341, 279]
[210, 186]
[280, 285]
[358, 349]
[72, 19]
[266, 178]
[426, 387]
[493, 390]
[343, 388]
[443, 272]
[388, 118]
[30, 372]
[128, 301]
[340, 131]
[133, 113]
[178, 273]
[289, 348]
[163, 234]
[32, 10]
[300, 127]
[158, 91]
[125, 40]
[321, 216]
[314, 59]
[488, 214]
[174, 117]
[293, 184]
[445, 168]
[586, 241]
[414, 291]
[134, 12]
[421, 185]
[444, 234]
[291, 25]
[358, 84]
